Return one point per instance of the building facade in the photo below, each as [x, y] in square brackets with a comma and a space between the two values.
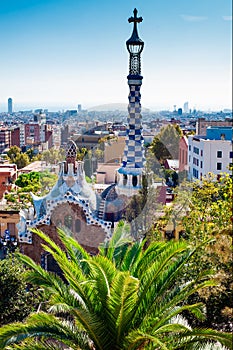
[71, 204]
[202, 124]
[211, 153]
[183, 154]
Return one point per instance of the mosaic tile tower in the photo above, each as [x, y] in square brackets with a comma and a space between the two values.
[130, 173]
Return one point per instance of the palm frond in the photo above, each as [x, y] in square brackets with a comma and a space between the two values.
[138, 340]
[42, 325]
[76, 252]
[122, 302]
[196, 337]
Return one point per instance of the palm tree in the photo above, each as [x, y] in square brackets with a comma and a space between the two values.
[124, 298]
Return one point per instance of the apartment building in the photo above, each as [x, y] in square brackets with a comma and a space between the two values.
[211, 153]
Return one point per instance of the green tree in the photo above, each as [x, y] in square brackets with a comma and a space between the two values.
[35, 182]
[204, 211]
[31, 153]
[27, 179]
[13, 152]
[21, 160]
[130, 303]
[82, 152]
[166, 143]
[140, 211]
[53, 156]
[17, 300]
[17, 157]
[47, 181]
[29, 182]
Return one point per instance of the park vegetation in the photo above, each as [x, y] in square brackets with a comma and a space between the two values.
[126, 297]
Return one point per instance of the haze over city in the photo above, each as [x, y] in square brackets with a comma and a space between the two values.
[56, 54]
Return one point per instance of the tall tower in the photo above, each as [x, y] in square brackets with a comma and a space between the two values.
[130, 173]
[10, 105]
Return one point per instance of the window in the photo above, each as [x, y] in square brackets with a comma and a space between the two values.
[201, 152]
[219, 166]
[231, 154]
[68, 221]
[77, 225]
[201, 164]
[134, 181]
[223, 136]
[195, 173]
[125, 177]
[189, 147]
[219, 154]
[196, 150]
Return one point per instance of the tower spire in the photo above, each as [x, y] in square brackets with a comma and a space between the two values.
[130, 173]
[135, 46]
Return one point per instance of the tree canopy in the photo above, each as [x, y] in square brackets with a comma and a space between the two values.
[53, 156]
[17, 157]
[204, 212]
[17, 300]
[36, 182]
[166, 143]
[127, 297]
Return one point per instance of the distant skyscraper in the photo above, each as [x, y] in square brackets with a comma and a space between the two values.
[79, 108]
[10, 105]
[179, 111]
[186, 107]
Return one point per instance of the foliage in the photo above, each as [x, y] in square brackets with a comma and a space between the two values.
[142, 207]
[33, 182]
[82, 152]
[32, 154]
[17, 157]
[99, 154]
[13, 152]
[88, 180]
[21, 160]
[53, 155]
[47, 181]
[204, 211]
[17, 300]
[29, 181]
[120, 299]
[107, 138]
[166, 143]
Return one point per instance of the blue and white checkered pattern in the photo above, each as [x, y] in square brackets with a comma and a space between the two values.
[134, 157]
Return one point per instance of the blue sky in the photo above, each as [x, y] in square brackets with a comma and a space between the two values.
[64, 52]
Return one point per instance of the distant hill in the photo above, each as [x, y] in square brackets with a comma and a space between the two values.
[112, 107]
[109, 107]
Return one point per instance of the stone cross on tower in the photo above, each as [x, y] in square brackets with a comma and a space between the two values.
[130, 173]
[135, 19]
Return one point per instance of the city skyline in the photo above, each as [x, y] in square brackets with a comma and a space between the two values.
[64, 53]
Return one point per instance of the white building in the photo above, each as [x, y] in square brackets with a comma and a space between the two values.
[211, 153]
[22, 134]
[186, 107]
